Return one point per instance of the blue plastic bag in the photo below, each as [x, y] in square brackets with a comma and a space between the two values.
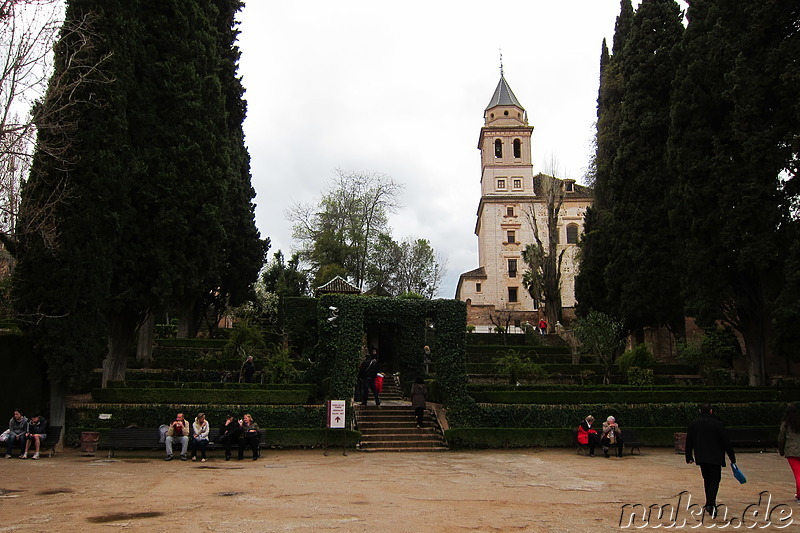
[738, 474]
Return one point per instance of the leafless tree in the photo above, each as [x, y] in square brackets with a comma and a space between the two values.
[542, 278]
[344, 225]
[32, 99]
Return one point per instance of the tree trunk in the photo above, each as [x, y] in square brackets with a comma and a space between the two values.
[58, 409]
[122, 332]
[144, 347]
[189, 321]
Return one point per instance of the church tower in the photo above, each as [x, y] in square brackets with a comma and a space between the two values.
[509, 195]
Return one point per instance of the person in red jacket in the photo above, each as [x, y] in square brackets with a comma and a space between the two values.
[587, 435]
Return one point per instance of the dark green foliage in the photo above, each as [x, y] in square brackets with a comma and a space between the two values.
[150, 161]
[627, 415]
[642, 276]
[642, 396]
[285, 278]
[733, 149]
[153, 415]
[210, 396]
[515, 366]
[712, 355]
[639, 356]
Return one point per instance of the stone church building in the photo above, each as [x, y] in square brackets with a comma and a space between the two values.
[511, 202]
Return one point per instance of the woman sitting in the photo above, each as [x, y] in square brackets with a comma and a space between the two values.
[587, 435]
[200, 429]
[249, 437]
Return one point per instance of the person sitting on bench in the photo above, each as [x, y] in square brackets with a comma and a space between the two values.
[178, 431]
[229, 435]
[249, 437]
[37, 432]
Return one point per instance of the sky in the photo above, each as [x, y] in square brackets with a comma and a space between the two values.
[399, 88]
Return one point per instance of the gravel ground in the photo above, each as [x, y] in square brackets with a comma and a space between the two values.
[457, 491]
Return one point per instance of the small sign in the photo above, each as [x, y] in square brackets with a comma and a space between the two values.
[105, 416]
[336, 413]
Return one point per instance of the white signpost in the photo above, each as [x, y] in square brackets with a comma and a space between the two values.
[336, 420]
[336, 414]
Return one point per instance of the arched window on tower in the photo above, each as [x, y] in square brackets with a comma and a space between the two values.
[572, 234]
[498, 148]
[517, 148]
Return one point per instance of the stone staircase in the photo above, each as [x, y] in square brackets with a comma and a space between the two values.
[392, 426]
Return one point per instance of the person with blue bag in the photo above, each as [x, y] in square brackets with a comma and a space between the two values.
[706, 445]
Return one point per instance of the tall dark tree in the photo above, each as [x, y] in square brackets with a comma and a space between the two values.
[642, 272]
[590, 284]
[151, 165]
[734, 150]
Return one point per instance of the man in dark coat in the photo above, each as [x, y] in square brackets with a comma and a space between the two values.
[366, 377]
[706, 444]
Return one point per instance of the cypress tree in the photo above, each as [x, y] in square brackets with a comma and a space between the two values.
[590, 284]
[150, 166]
[733, 147]
[642, 273]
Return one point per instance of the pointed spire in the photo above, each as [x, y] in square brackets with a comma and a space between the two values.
[503, 95]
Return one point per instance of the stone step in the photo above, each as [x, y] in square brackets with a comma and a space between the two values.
[409, 449]
[398, 437]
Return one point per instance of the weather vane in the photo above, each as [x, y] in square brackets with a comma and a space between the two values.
[501, 62]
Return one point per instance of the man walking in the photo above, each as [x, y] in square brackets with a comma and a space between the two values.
[706, 444]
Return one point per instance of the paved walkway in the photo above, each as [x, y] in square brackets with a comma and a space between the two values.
[305, 491]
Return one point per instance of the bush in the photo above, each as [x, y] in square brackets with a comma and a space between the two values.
[715, 351]
[517, 367]
[640, 376]
[639, 355]
[202, 396]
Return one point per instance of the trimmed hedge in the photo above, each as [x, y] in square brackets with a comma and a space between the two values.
[633, 415]
[574, 370]
[153, 415]
[210, 396]
[634, 397]
[209, 344]
[275, 438]
[552, 437]
[148, 384]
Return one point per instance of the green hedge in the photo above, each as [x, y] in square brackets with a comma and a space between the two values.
[565, 369]
[551, 437]
[634, 397]
[148, 384]
[210, 396]
[633, 415]
[153, 415]
[275, 438]
[481, 387]
[209, 344]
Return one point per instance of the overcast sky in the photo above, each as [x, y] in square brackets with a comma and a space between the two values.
[399, 88]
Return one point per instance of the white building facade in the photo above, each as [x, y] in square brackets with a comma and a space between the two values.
[511, 202]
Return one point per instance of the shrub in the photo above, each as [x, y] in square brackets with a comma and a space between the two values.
[279, 367]
[639, 356]
[640, 376]
[517, 367]
[714, 352]
[470, 328]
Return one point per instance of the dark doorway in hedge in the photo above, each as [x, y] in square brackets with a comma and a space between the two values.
[383, 337]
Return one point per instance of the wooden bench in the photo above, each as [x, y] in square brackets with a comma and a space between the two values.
[148, 438]
[53, 438]
[754, 437]
[631, 440]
